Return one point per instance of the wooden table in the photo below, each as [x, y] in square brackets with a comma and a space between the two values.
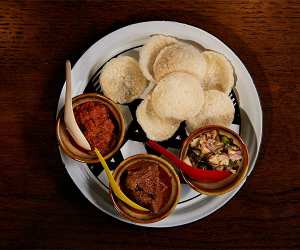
[40, 206]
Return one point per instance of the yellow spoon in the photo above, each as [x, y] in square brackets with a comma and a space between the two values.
[114, 186]
[80, 139]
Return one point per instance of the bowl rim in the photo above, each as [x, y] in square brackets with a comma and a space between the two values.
[229, 187]
[121, 123]
[144, 156]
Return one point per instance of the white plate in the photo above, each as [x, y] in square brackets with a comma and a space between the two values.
[199, 206]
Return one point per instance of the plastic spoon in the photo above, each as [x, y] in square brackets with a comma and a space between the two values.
[80, 139]
[69, 118]
[193, 172]
[115, 187]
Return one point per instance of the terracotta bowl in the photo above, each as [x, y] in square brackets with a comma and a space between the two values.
[68, 145]
[229, 183]
[140, 216]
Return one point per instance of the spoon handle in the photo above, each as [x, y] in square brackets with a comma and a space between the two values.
[69, 118]
[195, 173]
[115, 187]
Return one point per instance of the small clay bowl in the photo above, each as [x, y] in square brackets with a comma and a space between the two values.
[138, 216]
[229, 183]
[68, 145]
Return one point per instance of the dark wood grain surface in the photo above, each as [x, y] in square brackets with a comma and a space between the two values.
[40, 207]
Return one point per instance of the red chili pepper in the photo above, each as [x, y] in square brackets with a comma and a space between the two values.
[193, 172]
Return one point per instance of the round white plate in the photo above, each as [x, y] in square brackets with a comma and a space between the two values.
[193, 206]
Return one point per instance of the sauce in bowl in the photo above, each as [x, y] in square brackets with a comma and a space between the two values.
[101, 122]
[151, 182]
[147, 184]
[98, 125]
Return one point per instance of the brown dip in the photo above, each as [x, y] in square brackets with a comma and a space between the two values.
[147, 184]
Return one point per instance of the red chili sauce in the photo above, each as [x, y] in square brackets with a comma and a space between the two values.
[147, 184]
[98, 125]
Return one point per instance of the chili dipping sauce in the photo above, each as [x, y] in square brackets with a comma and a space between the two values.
[98, 125]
